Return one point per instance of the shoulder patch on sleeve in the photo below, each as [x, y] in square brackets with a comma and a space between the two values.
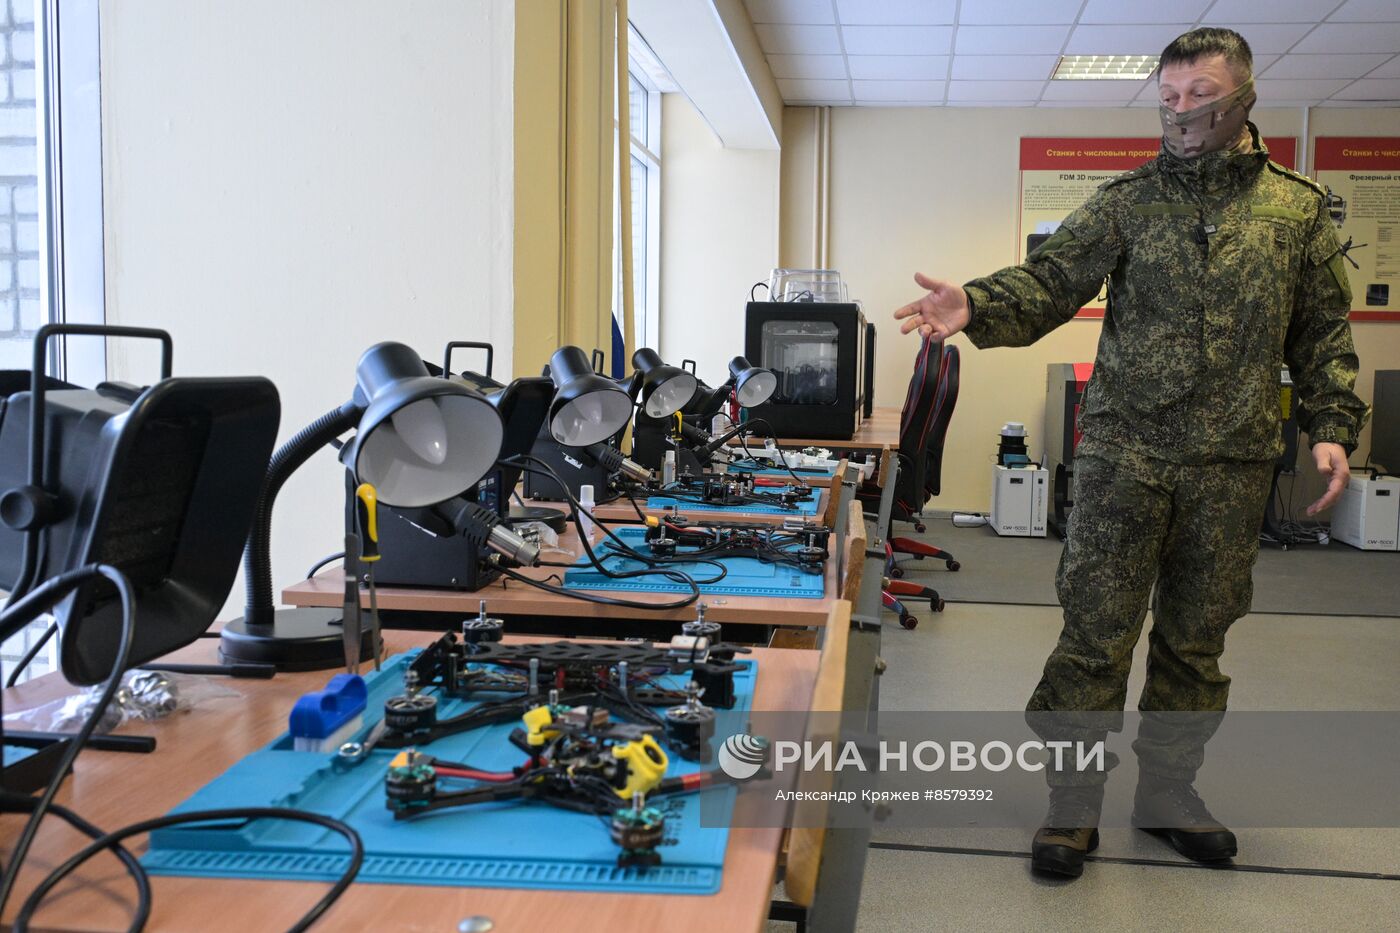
[1294, 176]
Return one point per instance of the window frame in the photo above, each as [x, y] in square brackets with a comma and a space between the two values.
[68, 107]
[648, 151]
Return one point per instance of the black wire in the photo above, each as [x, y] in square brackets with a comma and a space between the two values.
[750, 425]
[32, 653]
[609, 600]
[47, 595]
[578, 509]
[641, 516]
[133, 867]
[754, 286]
[328, 559]
[357, 853]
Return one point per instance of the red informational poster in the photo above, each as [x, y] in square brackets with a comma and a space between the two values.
[1362, 178]
[1059, 173]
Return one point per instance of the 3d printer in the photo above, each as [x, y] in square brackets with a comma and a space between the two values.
[814, 342]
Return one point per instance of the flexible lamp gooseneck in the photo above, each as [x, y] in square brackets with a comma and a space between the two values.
[419, 440]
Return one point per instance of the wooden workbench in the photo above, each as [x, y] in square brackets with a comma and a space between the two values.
[514, 600]
[877, 432]
[113, 789]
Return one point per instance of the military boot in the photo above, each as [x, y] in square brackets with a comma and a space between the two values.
[1174, 811]
[1070, 831]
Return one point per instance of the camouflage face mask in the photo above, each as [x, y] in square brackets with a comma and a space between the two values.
[1211, 126]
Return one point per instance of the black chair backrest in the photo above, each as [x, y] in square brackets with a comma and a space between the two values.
[950, 372]
[916, 419]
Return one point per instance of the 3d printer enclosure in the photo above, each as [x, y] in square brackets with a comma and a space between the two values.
[834, 412]
[162, 487]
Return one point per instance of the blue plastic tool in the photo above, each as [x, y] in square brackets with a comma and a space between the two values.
[319, 715]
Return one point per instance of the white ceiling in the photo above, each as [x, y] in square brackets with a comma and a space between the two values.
[980, 53]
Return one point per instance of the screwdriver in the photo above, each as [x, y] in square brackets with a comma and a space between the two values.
[367, 518]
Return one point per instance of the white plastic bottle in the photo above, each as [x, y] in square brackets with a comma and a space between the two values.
[585, 500]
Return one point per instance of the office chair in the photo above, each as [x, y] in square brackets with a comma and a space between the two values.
[931, 475]
[922, 402]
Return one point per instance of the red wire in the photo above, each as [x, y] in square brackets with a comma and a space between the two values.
[492, 776]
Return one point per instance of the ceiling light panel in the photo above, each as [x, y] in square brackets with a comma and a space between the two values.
[1105, 67]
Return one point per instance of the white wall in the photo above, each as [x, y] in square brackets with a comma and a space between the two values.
[719, 235]
[289, 183]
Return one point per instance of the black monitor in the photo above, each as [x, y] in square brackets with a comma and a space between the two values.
[159, 483]
[1385, 421]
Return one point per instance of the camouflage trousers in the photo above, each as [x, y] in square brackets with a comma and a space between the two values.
[1194, 532]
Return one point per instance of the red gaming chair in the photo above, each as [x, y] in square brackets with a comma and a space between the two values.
[946, 401]
[919, 420]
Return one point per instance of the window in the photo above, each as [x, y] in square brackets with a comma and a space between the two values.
[644, 116]
[50, 205]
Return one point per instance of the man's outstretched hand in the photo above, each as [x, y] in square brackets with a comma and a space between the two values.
[1331, 460]
[940, 314]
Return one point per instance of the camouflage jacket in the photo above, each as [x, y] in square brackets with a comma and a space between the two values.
[1221, 268]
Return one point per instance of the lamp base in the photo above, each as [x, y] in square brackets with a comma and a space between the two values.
[556, 519]
[302, 639]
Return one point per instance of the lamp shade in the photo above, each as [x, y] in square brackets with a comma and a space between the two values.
[753, 385]
[421, 439]
[587, 407]
[665, 389]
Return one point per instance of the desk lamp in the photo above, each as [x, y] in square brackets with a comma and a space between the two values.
[751, 385]
[419, 439]
[663, 390]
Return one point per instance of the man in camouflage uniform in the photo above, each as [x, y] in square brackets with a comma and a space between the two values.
[1221, 266]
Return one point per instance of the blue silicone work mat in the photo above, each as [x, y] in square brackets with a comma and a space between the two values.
[745, 576]
[807, 506]
[506, 845]
[763, 468]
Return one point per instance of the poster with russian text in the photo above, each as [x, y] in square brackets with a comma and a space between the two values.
[1362, 177]
[1060, 173]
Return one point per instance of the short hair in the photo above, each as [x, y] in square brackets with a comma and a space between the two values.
[1188, 47]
